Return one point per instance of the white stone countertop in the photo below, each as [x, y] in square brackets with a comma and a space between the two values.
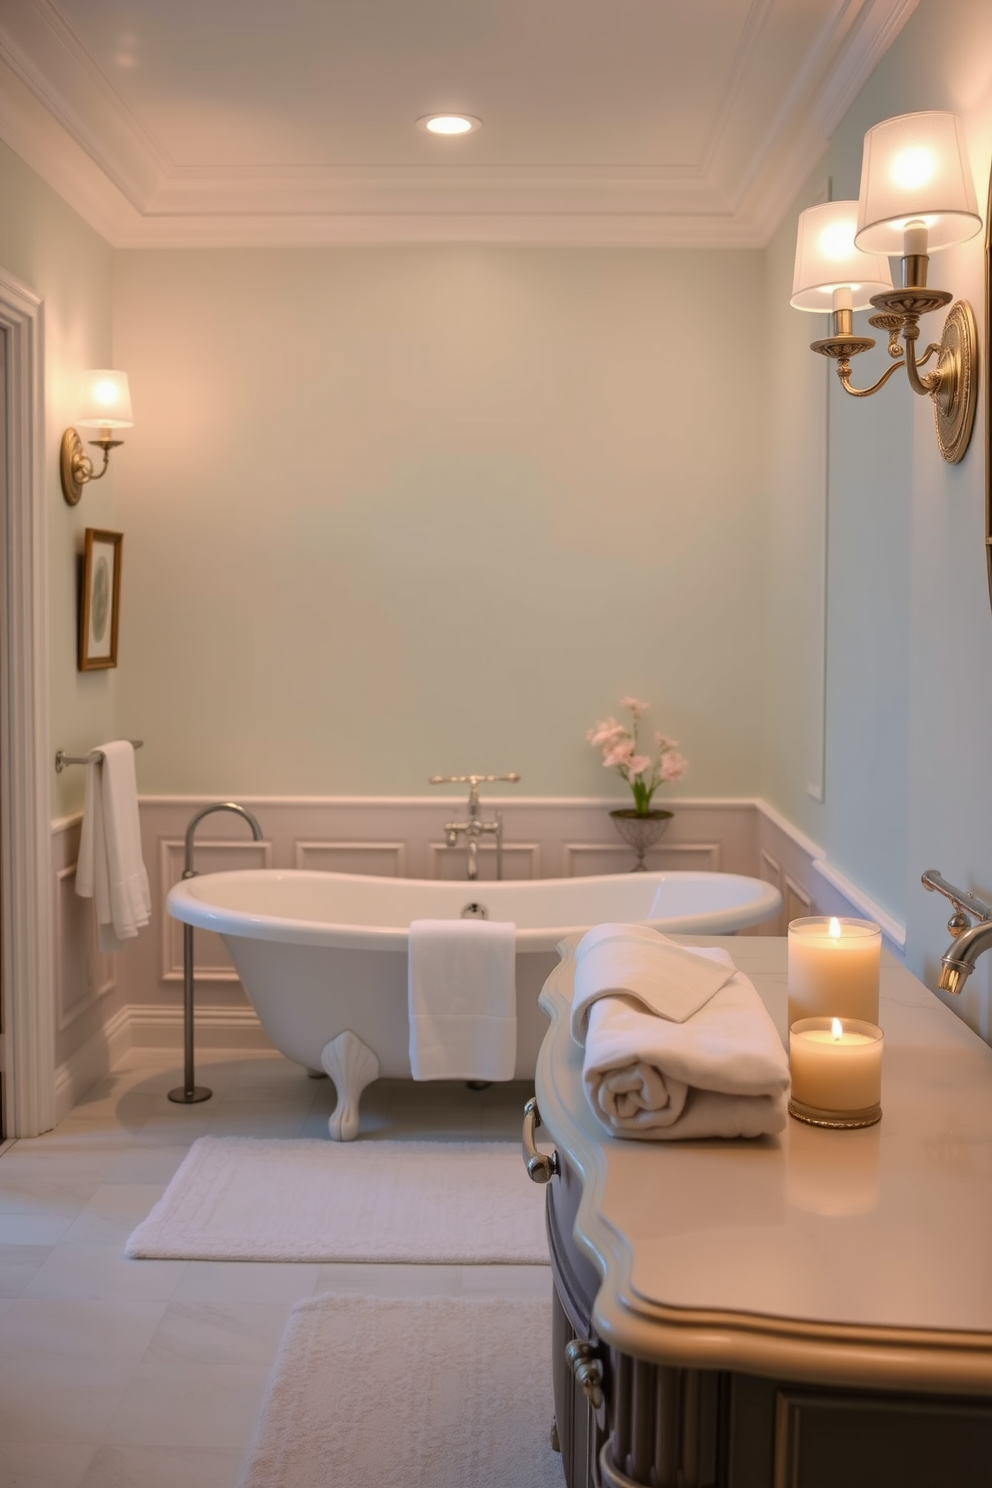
[861, 1255]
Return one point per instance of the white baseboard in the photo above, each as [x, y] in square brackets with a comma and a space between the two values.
[96, 1058]
[160, 1026]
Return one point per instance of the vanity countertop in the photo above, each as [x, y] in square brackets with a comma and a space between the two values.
[860, 1257]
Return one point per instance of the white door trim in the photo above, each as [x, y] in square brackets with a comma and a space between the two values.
[25, 809]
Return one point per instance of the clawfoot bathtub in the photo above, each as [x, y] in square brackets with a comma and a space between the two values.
[323, 956]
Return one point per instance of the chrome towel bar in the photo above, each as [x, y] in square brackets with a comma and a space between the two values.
[63, 760]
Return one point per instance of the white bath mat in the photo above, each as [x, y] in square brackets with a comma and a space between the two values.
[446, 1392]
[248, 1199]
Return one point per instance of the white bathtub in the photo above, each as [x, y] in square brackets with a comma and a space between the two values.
[323, 955]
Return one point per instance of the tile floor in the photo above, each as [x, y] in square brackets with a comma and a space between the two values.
[116, 1373]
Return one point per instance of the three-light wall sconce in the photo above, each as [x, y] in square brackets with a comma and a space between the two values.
[104, 404]
[917, 197]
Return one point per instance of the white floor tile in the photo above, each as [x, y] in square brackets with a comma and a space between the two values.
[113, 1212]
[54, 1328]
[33, 1229]
[391, 1280]
[59, 1400]
[101, 1271]
[243, 1281]
[217, 1333]
[162, 1467]
[189, 1405]
[156, 1164]
[44, 1464]
[19, 1264]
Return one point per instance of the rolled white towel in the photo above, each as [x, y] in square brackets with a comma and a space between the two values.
[635, 961]
[721, 1073]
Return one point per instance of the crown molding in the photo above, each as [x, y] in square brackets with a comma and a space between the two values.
[62, 116]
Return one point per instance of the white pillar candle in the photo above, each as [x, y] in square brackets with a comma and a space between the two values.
[836, 1068]
[833, 969]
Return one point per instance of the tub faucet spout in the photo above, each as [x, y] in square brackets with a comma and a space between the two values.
[968, 941]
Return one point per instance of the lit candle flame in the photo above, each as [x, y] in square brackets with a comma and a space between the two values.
[837, 1028]
[835, 929]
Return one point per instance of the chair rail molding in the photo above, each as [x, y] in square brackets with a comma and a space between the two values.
[28, 960]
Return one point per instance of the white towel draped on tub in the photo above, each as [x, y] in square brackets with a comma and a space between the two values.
[721, 1073]
[110, 867]
[462, 999]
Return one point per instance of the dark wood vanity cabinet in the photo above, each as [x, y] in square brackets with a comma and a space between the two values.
[657, 1386]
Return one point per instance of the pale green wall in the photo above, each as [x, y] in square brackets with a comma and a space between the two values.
[399, 511]
[51, 250]
[910, 630]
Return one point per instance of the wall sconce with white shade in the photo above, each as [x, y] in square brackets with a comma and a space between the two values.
[916, 198]
[104, 404]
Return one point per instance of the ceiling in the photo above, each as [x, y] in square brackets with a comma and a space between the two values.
[218, 122]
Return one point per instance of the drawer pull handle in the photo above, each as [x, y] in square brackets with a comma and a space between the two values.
[580, 1357]
[541, 1166]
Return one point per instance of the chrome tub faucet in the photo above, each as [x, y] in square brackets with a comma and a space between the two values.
[474, 827]
[970, 926]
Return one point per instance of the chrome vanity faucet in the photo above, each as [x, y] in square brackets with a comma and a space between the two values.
[474, 827]
[968, 940]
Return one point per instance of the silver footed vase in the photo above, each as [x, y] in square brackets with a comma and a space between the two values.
[640, 830]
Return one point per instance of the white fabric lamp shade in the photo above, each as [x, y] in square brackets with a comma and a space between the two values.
[104, 400]
[827, 260]
[914, 171]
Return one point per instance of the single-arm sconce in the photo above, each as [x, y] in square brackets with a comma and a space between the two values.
[916, 197]
[105, 404]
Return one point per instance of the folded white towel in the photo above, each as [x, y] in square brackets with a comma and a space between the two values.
[721, 1073]
[462, 999]
[638, 962]
[110, 866]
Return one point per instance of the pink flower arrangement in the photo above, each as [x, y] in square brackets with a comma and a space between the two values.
[621, 752]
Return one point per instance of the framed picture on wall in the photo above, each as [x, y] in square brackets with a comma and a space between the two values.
[100, 600]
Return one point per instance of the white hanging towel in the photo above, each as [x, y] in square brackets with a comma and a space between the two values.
[462, 999]
[110, 867]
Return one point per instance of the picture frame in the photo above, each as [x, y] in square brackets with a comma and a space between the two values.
[100, 600]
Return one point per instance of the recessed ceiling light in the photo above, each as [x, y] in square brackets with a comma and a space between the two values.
[449, 123]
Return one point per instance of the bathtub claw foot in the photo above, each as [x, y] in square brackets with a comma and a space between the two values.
[351, 1065]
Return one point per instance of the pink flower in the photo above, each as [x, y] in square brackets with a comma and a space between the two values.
[606, 733]
[635, 705]
[620, 755]
[673, 766]
[638, 764]
[664, 743]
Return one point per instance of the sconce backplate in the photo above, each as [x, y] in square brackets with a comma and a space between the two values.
[71, 458]
[955, 399]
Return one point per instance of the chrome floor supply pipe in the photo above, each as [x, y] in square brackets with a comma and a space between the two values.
[189, 1093]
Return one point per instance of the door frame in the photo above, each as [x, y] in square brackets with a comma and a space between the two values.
[27, 1052]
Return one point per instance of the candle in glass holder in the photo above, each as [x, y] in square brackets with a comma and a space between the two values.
[836, 1067]
[833, 969]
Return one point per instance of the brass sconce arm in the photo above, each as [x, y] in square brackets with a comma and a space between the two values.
[76, 466]
[844, 373]
[952, 384]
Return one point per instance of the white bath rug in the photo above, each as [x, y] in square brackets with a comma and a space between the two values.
[446, 1392]
[249, 1199]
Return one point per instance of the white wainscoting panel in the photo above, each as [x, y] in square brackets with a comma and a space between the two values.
[588, 859]
[521, 861]
[88, 986]
[210, 960]
[82, 973]
[380, 859]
